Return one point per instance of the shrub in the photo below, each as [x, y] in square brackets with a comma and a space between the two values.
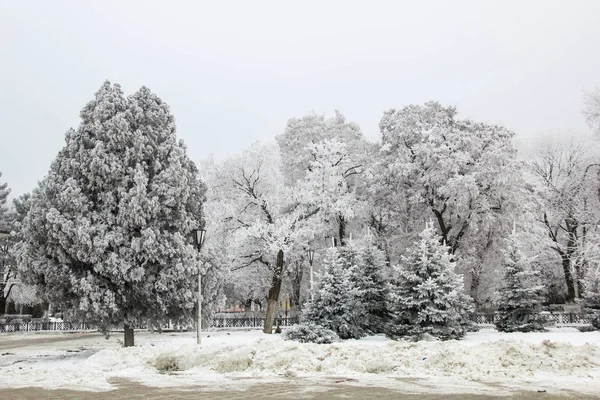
[310, 333]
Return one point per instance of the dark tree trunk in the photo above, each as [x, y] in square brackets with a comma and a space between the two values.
[566, 264]
[248, 305]
[296, 281]
[342, 229]
[273, 296]
[128, 339]
[474, 286]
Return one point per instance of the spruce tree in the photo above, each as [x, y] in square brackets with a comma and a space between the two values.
[108, 235]
[591, 296]
[427, 295]
[520, 300]
[367, 264]
[336, 304]
[375, 288]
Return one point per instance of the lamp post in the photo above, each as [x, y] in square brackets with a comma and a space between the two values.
[311, 257]
[199, 236]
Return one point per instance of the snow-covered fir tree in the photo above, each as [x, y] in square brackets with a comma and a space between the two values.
[109, 232]
[375, 271]
[591, 296]
[336, 304]
[427, 295]
[367, 265]
[520, 299]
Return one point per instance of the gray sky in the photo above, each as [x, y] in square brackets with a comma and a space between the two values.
[234, 72]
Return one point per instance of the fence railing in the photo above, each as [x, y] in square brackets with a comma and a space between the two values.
[252, 322]
[559, 318]
[44, 326]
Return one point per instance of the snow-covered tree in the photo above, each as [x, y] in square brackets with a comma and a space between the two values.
[368, 272]
[14, 290]
[330, 184]
[458, 169]
[462, 174]
[4, 255]
[336, 303]
[263, 219]
[214, 278]
[565, 179]
[591, 109]
[375, 279]
[4, 192]
[302, 133]
[520, 301]
[427, 295]
[591, 298]
[109, 232]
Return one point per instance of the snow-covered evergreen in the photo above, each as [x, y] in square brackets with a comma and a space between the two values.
[591, 297]
[109, 233]
[367, 265]
[336, 304]
[427, 295]
[520, 300]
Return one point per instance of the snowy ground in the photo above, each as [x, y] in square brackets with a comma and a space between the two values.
[486, 362]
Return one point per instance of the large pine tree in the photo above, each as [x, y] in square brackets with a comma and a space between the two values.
[109, 231]
[336, 304]
[520, 300]
[427, 295]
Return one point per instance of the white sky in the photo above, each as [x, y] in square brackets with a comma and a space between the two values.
[233, 72]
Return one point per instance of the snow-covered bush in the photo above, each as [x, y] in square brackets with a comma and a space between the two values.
[427, 295]
[336, 304]
[519, 306]
[310, 333]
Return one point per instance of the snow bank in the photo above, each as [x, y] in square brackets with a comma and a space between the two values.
[557, 359]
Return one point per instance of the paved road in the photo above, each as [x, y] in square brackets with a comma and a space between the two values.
[128, 390]
[36, 339]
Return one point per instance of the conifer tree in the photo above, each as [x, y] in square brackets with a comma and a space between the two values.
[108, 235]
[336, 304]
[520, 300]
[367, 264]
[427, 295]
[375, 288]
[591, 296]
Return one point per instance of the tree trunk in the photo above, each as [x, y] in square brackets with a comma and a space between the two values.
[274, 294]
[474, 286]
[342, 229]
[566, 264]
[296, 281]
[128, 342]
[3, 302]
[248, 305]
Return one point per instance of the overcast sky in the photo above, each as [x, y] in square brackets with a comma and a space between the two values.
[234, 72]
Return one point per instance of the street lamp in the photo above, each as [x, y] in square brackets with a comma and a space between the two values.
[199, 236]
[311, 257]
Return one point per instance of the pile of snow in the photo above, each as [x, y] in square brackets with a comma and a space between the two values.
[559, 359]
